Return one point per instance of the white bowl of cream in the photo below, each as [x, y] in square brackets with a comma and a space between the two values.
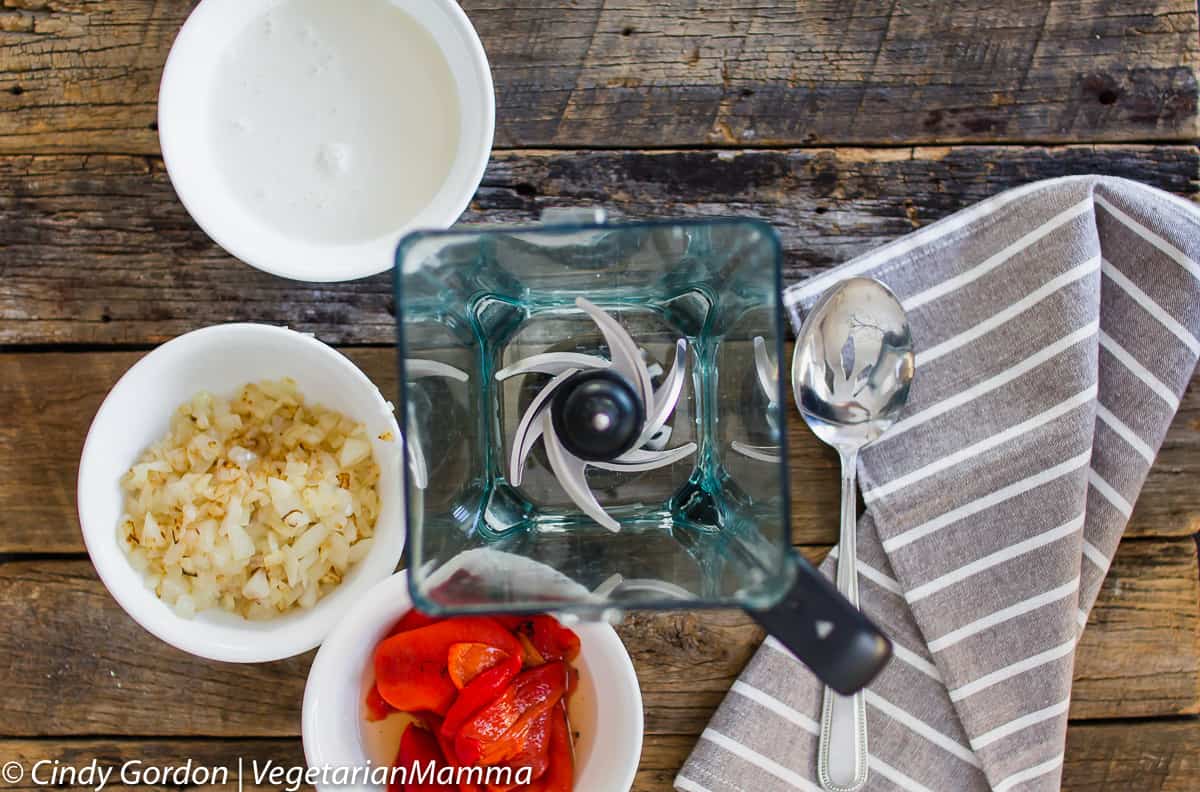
[307, 136]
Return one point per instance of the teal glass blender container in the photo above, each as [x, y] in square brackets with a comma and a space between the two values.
[594, 416]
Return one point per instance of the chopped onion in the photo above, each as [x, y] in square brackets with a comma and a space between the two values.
[257, 586]
[354, 451]
[255, 505]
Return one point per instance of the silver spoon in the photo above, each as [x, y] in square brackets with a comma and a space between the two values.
[851, 371]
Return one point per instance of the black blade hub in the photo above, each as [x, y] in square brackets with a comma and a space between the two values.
[597, 415]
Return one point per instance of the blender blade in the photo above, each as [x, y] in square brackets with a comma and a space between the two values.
[657, 406]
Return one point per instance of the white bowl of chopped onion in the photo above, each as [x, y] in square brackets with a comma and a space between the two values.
[240, 523]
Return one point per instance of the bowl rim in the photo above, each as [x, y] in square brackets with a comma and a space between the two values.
[194, 637]
[356, 259]
[376, 607]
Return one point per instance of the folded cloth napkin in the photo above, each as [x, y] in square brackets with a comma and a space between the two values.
[1056, 328]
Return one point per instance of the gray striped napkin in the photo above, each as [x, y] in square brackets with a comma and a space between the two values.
[1056, 327]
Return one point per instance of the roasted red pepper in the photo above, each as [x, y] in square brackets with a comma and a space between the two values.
[533, 658]
[506, 787]
[469, 660]
[465, 784]
[560, 774]
[419, 753]
[497, 732]
[554, 641]
[377, 708]
[551, 639]
[534, 753]
[482, 691]
[411, 669]
[413, 620]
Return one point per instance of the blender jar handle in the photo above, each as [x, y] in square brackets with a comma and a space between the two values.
[825, 632]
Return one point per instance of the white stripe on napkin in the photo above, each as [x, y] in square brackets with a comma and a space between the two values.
[987, 501]
[1003, 615]
[1138, 370]
[1011, 670]
[895, 776]
[1109, 493]
[909, 657]
[775, 705]
[992, 383]
[921, 728]
[872, 574]
[1125, 433]
[1018, 724]
[1085, 396]
[1069, 528]
[688, 785]
[758, 760]
[1095, 555]
[927, 356]
[1152, 308]
[1154, 239]
[1029, 774]
[991, 262]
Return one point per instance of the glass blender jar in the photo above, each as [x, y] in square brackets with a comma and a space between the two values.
[594, 416]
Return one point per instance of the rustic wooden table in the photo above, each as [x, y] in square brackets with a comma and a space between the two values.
[844, 124]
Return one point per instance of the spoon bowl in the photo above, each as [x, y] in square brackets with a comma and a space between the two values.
[853, 363]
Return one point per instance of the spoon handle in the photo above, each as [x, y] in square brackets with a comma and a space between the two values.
[842, 749]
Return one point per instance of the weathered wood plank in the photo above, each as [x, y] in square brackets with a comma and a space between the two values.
[1147, 755]
[96, 249]
[1151, 755]
[82, 76]
[1113, 670]
[49, 399]
[78, 665]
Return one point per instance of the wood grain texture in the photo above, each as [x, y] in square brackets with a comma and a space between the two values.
[1149, 756]
[82, 76]
[1111, 671]
[79, 666]
[50, 398]
[97, 249]
[76, 664]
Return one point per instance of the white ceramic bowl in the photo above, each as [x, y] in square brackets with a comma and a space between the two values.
[606, 709]
[188, 80]
[137, 412]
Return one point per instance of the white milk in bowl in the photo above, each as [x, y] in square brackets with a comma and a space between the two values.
[334, 122]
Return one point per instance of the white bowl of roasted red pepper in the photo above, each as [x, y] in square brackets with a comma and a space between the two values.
[396, 700]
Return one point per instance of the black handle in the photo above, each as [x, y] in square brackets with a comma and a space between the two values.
[826, 633]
